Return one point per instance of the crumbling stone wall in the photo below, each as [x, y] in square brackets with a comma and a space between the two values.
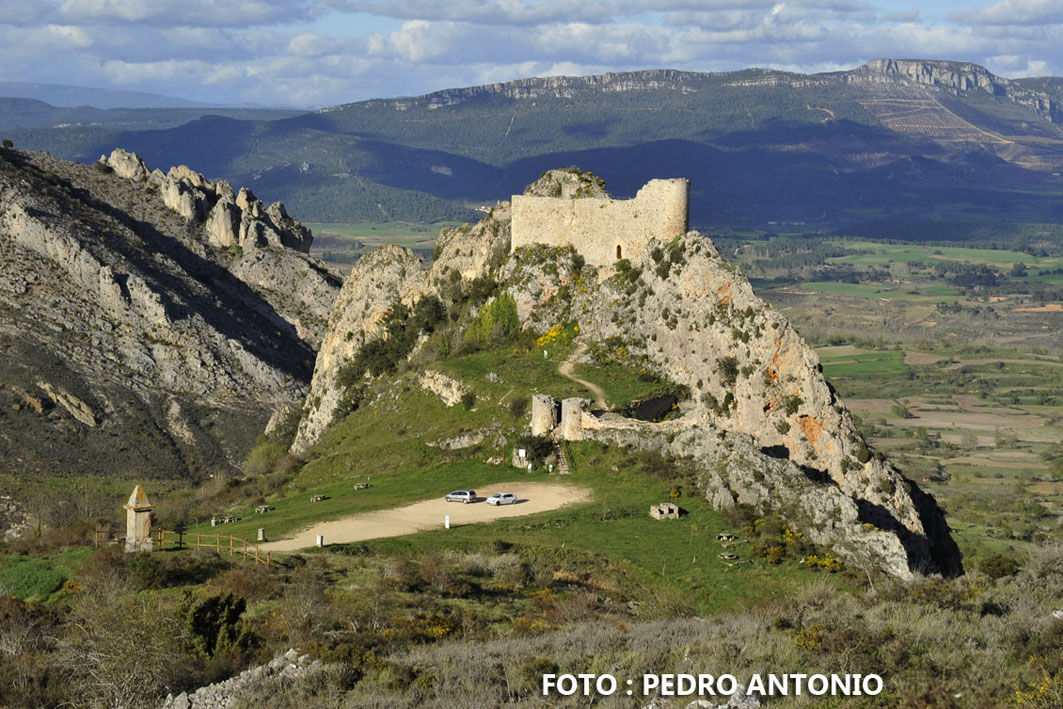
[603, 230]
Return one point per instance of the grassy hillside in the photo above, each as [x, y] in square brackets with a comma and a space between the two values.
[596, 587]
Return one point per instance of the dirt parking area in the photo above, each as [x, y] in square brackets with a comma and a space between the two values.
[532, 498]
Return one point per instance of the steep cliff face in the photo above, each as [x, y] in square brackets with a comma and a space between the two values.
[695, 318]
[385, 277]
[122, 320]
[955, 77]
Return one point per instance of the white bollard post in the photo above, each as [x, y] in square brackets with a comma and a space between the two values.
[321, 540]
[446, 522]
[213, 521]
[261, 534]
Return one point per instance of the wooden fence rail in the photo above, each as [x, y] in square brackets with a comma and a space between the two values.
[218, 542]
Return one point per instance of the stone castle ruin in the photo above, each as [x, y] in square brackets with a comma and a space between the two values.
[602, 229]
[573, 419]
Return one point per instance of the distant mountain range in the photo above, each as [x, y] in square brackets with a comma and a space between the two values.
[73, 96]
[890, 143]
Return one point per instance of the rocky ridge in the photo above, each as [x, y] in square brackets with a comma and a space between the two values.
[951, 76]
[121, 314]
[957, 78]
[761, 421]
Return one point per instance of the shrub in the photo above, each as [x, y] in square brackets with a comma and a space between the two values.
[8, 144]
[791, 404]
[997, 566]
[537, 448]
[265, 456]
[154, 571]
[215, 624]
[518, 407]
[727, 368]
[496, 322]
[468, 400]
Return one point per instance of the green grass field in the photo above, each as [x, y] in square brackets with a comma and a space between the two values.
[37, 577]
[879, 254]
[927, 293]
[864, 363]
[384, 443]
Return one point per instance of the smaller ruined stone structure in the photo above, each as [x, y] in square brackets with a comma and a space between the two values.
[602, 229]
[543, 414]
[138, 521]
[572, 418]
[665, 510]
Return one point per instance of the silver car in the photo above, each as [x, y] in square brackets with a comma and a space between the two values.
[465, 496]
[502, 498]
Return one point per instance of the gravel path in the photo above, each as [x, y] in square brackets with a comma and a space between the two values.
[565, 370]
[532, 498]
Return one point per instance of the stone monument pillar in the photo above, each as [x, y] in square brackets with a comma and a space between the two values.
[138, 521]
[543, 415]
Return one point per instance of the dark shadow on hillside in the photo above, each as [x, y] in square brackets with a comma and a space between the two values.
[934, 553]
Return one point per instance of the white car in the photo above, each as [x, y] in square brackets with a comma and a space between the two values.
[502, 498]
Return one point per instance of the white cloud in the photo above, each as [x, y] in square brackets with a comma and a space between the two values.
[196, 13]
[273, 51]
[1013, 12]
[1017, 66]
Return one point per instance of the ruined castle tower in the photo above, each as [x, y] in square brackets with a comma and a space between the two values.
[543, 415]
[138, 521]
[572, 418]
[602, 229]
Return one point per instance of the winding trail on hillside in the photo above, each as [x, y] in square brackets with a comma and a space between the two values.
[565, 370]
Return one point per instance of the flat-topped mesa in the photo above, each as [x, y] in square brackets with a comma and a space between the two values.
[228, 218]
[570, 208]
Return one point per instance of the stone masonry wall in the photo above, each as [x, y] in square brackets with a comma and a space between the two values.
[603, 230]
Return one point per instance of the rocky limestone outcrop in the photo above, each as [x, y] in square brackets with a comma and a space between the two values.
[229, 220]
[679, 309]
[761, 420]
[468, 252]
[448, 389]
[262, 246]
[956, 78]
[251, 684]
[568, 183]
[121, 320]
[389, 275]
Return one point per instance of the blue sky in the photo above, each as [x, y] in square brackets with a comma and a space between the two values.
[323, 52]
